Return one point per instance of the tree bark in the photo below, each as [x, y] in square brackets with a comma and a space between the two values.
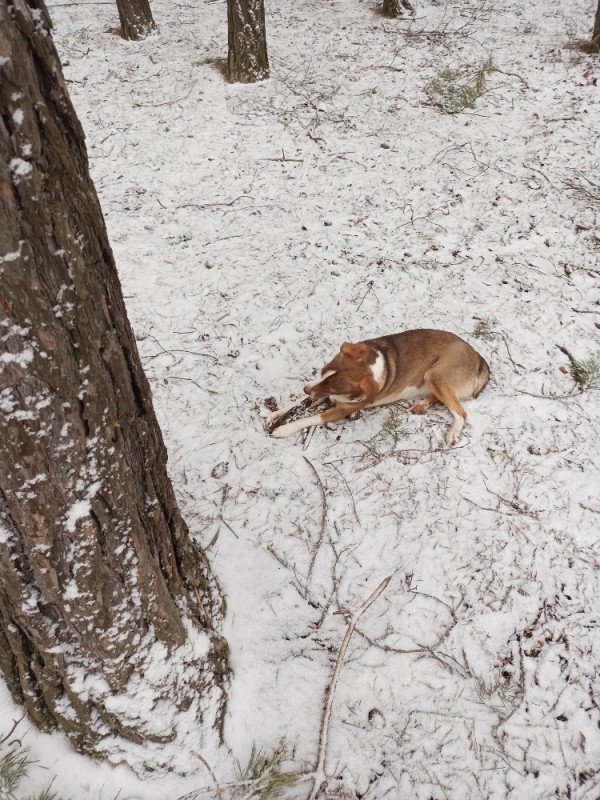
[394, 8]
[247, 60]
[99, 581]
[596, 31]
[136, 19]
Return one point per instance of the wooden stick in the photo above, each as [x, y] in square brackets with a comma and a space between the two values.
[320, 776]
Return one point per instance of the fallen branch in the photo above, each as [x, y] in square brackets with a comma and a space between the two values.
[320, 777]
[317, 547]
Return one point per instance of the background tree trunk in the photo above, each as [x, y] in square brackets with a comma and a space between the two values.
[136, 19]
[596, 31]
[394, 8]
[98, 576]
[247, 60]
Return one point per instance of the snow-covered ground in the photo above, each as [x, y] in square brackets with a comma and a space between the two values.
[255, 229]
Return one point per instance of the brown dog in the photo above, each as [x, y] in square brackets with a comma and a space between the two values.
[438, 365]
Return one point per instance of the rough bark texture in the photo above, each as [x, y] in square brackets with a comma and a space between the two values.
[247, 61]
[395, 8]
[96, 565]
[596, 31]
[136, 19]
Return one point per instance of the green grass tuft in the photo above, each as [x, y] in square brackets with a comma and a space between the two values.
[14, 766]
[586, 373]
[453, 91]
[265, 773]
[485, 329]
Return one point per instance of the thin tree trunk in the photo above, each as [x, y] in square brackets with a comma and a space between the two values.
[136, 19]
[99, 580]
[596, 31]
[394, 8]
[247, 61]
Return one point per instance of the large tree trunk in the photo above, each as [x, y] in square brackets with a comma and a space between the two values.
[596, 31]
[136, 19]
[247, 60]
[98, 577]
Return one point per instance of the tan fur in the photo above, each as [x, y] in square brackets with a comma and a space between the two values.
[436, 364]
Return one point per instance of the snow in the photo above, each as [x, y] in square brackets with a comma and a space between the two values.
[23, 358]
[19, 168]
[14, 256]
[255, 229]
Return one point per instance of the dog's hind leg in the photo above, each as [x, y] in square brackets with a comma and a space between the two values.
[446, 394]
[423, 405]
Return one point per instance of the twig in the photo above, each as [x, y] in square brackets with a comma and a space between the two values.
[569, 355]
[317, 139]
[356, 517]
[12, 730]
[212, 205]
[283, 157]
[210, 772]
[223, 238]
[183, 378]
[514, 75]
[228, 526]
[317, 547]
[195, 793]
[181, 350]
[302, 590]
[550, 396]
[166, 102]
[320, 777]
[514, 363]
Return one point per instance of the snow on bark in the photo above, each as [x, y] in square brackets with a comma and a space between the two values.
[136, 19]
[248, 61]
[98, 572]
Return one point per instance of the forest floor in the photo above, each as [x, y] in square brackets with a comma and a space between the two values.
[255, 229]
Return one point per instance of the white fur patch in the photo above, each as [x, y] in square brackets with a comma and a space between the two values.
[455, 431]
[328, 374]
[378, 369]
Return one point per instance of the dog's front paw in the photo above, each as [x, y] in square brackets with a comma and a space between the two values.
[453, 435]
[283, 431]
[275, 415]
[419, 408]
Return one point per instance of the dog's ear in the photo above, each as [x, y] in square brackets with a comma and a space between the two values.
[370, 388]
[360, 351]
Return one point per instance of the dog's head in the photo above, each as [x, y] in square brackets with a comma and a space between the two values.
[349, 377]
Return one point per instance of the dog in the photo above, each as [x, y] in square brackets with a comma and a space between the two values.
[436, 365]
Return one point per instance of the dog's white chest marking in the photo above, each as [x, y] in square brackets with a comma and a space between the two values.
[378, 369]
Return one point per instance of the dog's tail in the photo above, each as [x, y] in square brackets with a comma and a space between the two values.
[483, 376]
